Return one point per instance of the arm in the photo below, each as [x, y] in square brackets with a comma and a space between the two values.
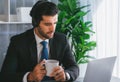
[61, 51]
[69, 63]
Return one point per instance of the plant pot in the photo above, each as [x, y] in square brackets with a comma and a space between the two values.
[82, 68]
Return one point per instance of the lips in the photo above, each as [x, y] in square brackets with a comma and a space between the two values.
[51, 33]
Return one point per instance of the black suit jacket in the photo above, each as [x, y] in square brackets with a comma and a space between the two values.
[22, 56]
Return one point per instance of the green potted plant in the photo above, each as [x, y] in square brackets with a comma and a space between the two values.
[71, 22]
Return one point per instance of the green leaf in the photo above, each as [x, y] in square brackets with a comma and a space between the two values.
[82, 7]
[71, 22]
[71, 4]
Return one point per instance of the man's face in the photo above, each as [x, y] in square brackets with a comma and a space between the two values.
[47, 26]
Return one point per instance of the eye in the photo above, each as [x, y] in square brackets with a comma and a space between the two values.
[47, 24]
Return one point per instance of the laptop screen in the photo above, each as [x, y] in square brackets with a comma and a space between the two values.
[100, 70]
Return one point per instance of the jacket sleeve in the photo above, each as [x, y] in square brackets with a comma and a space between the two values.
[69, 63]
[60, 50]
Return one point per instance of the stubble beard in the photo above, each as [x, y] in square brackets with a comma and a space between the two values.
[47, 35]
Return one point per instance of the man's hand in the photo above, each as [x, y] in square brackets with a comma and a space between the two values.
[38, 73]
[58, 74]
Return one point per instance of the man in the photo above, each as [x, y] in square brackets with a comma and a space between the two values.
[23, 63]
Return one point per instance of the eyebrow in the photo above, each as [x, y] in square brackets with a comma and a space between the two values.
[49, 22]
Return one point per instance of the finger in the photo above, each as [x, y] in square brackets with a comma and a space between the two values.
[39, 72]
[60, 77]
[42, 62]
[56, 68]
[56, 71]
[59, 70]
[39, 77]
[42, 67]
[39, 69]
[42, 71]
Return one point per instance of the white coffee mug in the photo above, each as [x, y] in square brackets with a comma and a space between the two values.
[50, 65]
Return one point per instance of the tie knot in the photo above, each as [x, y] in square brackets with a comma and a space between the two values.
[44, 43]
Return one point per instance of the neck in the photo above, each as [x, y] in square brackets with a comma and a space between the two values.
[38, 34]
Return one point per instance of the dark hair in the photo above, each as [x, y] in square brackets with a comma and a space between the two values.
[42, 8]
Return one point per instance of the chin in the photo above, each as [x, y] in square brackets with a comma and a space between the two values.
[48, 37]
[51, 35]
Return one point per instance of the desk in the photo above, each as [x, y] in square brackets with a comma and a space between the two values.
[113, 79]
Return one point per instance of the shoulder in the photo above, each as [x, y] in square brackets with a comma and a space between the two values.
[23, 36]
[60, 38]
[59, 35]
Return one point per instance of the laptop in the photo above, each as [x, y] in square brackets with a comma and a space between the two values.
[99, 70]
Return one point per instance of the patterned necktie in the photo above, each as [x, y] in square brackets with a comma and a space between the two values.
[44, 54]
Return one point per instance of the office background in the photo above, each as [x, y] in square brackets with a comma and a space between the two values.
[105, 15]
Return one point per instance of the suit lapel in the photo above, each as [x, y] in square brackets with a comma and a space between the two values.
[32, 47]
[52, 53]
[51, 50]
[33, 51]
